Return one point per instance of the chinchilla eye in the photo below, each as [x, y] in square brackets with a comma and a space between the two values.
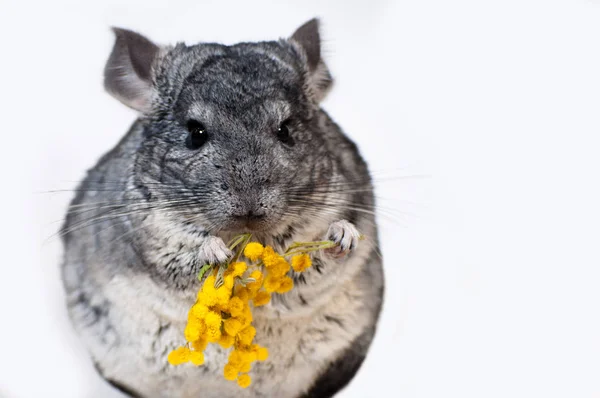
[197, 134]
[283, 133]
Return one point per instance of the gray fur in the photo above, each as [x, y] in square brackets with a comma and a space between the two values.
[153, 211]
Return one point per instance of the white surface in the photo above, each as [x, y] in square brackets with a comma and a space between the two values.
[493, 270]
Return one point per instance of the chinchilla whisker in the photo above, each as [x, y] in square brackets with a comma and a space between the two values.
[210, 228]
[95, 205]
[166, 193]
[128, 185]
[330, 198]
[347, 207]
[82, 212]
[133, 230]
[95, 208]
[340, 201]
[116, 182]
[366, 185]
[378, 209]
[320, 212]
[340, 197]
[87, 223]
[325, 190]
[371, 180]
[295, 218]
[132, 205]
[120, 237]
[159, 202]
[111, 214]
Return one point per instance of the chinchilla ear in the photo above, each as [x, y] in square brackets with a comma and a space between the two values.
[128, 71]
[307, 38]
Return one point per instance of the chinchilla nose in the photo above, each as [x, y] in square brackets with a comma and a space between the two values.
[250, 215]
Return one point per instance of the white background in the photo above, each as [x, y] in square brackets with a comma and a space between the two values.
[485, 114]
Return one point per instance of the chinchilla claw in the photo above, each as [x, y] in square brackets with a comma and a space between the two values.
[346, 237]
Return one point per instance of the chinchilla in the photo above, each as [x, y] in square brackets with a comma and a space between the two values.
[229, 139]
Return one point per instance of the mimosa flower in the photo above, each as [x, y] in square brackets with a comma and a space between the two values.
[253, 251]
[230, 372]
[285, 285]
[226, 341]
[232, 326]
[261, 298]
[301, 262]
[179, 355]
[236, 306]
[222, 313]
[246, 335]
[244, 380]
[197, 358]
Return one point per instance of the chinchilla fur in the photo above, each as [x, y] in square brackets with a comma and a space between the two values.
[229, 139]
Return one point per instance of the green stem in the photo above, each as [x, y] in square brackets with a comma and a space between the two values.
[236, 240]
[307, 249]
[203, 271]
[245, 239]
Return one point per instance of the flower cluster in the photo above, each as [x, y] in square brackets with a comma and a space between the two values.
[222, 313]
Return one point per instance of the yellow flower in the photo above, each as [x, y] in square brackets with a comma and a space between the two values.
[246, 356]
[238, 268]
[244, 380]
[179, 355]
[258, 277]
[280, 268]
[230, 372]
[223, 294]
[226, 341]
[232, 326]
[261, 298]
[235, 359]
[246, 367]
[209, 293]
[194, 330]
[212, 319]
[252, 354]
[213, 326]
[301, 262]
[271, 283]
[213, 334]
[243, 294]
[269, 257]
[199, 310]
[253, 251]
[246, 335]
[228, 282]
[204, 300]
[197, 358]
[209, 284]
[262, 353]
[236, 306]
[200, 344]
[246, 317]
[285, 285]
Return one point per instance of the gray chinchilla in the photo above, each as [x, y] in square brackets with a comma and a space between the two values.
[229, 139]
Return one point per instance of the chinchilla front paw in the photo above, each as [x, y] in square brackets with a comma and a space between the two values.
[214, 251]
[346, 237]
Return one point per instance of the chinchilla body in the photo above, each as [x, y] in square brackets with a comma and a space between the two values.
[230, 139]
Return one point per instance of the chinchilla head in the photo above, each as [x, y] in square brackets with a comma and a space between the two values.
[231, 134]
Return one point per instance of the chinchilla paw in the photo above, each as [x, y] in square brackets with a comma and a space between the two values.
[214, 251]
[346, 237]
